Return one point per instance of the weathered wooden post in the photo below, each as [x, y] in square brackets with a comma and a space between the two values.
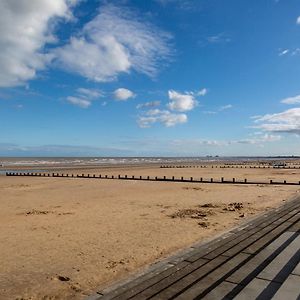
[222, 179]
[173, 178]
[211, 180]
[233, 179]
[125, 176]
[191, 178]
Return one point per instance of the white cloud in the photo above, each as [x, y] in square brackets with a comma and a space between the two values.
[264, 138]
[81, 102]
[209, 112]
[148, 104]
[218, 38]
[291, 52]
[298, 20]
[202, 92]
[221, 108]
[84, 97]
[122, 94]
[90, 93]
[187, 5]
[295, 52]
[228, 106]
[287, 121]
[164, 117]
[25, 28]
[291, 100]
[260, 140]
[181, 102]
[283, 52]
[115, 41]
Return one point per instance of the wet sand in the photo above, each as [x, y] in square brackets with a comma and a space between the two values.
[62, 238]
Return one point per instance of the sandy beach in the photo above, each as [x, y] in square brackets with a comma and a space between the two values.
[63, 238]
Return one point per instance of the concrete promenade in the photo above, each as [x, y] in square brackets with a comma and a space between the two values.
[259, 260]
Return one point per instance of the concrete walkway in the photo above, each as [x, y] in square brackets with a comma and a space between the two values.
[260, 260]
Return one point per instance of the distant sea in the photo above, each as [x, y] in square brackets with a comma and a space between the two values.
[8, 162]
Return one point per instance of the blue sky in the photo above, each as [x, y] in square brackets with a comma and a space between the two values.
[146, 78]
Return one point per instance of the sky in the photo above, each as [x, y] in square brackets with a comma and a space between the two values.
[149, 77]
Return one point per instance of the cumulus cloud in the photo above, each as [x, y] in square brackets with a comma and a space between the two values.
[84, 97]
[181, 102]
[122, 94]
[287, 121]
[148, 104]
[164, 117]
[298, 20]
[291, 100]
[25, 28]
[115, 41]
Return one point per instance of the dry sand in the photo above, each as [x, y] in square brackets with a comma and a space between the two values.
[62, 238]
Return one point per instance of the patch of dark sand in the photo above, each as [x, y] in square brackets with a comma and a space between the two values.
[193, 213]
[234, 206]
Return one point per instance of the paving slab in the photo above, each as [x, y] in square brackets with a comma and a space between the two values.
[173, 285]
[266, 239]
[219, 292]
[295, 227]
[296, 271]
[254, 289]
[290, 289]
[283, 264]
[200, 288]
[255, 265]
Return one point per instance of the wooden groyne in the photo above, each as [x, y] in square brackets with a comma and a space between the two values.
[222, 180]
[226, 167]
